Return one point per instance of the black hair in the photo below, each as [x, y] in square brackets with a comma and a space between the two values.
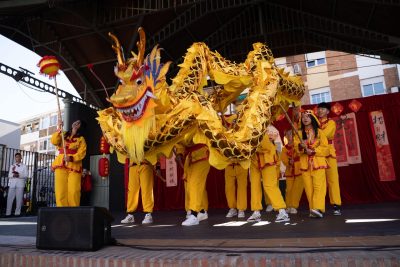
[314, 124]
[80, 131]
[324, 105]
[17, 154]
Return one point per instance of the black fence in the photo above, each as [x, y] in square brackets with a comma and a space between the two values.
[39, 187]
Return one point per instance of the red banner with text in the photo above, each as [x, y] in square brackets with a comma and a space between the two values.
[383, 152]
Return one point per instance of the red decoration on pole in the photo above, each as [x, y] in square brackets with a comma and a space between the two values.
[355, 105]
[104, 146]
[104, 167]
[49, 66]
[337, 108]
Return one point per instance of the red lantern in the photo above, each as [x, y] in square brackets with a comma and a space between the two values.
[49, 66]
[355, 105]
[104, 146]
[337, 108]
[104, 167]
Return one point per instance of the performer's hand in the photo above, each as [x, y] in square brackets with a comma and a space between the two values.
[310, 152]
[60, 125]
[16, 174]
[291, 161]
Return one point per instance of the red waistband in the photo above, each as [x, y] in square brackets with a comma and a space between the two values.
[69, 151]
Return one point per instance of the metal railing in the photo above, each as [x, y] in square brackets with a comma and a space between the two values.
[39, 187]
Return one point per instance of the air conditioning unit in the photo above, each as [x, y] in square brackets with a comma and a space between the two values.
[296, 69]
[394, 89]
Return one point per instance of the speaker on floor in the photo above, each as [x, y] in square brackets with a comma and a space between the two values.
[73, 228]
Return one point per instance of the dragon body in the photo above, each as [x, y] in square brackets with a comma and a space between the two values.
[148, 117]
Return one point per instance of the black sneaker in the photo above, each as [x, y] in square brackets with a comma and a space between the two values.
[336, 210]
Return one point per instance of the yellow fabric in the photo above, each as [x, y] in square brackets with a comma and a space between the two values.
[315, 187]
[74, 143]
[140, 178]
[292, 170]
[321, 148]
[332, 177]
[294, 190]
[236, 196]
[329, 128]
[196, 175]
[204, 202]
[67, 188]
[266, 154]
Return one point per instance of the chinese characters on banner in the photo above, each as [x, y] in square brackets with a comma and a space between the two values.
[171, 172]
[346, 140]
[382, 147]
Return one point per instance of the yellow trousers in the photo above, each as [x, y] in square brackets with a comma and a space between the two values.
[332, 177]
[204, 202]
[67, 188]
[269, 178]
[294, 190]
[315, 187]
[196, 176]
[140, 178]
[236, 196]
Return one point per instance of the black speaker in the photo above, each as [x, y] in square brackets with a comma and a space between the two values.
[73, 228]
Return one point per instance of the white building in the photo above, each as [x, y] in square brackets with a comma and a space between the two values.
[10, 134]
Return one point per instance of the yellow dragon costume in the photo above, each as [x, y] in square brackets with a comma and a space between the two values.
[149, 117]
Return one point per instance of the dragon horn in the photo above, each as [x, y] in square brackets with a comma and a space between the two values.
[141, 46]
[117, 49]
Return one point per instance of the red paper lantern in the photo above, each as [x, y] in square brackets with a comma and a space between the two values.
[337, 108]
[104, 146]
[104, 167]
[355, 105]
[49, 66]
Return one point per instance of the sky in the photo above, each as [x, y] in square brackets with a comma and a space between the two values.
[18, 102]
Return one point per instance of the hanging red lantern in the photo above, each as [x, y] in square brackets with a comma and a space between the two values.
[355, 105]
[104, 146]
[337, 108]
[104, 167]
[49, 66]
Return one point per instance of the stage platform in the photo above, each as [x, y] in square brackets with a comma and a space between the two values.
[365, 235]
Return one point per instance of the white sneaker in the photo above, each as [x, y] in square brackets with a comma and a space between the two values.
[255, 217]
[201, 216]
[128, 219]
[188, 213]
[317, 213]
[192, 220]
[292, 210]
[147, 219]
[269, 208]
[231, 213]
[282, 216]
[241, 214]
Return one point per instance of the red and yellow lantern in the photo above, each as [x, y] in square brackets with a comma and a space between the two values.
[355, 105]
[104, 167]
[104, 146]
[337, 108]
[49, 66]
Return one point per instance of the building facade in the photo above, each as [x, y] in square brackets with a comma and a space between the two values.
[333, 76]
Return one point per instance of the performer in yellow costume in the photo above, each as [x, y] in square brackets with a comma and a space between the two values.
[236, 195]
[263, 166]
[141, 177]
[328, 127]
[68, 164]
[196, 169]
[294, 181]
[313, 150]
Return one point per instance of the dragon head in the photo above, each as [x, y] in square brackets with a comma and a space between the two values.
[135, 99]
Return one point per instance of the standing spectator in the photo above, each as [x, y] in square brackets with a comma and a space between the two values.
[17, 176]
[86, 187]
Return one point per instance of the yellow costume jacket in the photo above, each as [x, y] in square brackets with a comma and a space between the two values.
[292, 170]
[318, 159]
[266, 154]
[75, 148]
[328, 127]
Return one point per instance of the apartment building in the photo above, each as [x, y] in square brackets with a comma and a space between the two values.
[333, 76]
[36, 133]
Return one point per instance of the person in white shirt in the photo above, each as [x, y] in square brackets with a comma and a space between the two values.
[16, 184]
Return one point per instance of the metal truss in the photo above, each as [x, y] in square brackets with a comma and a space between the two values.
[24, 78]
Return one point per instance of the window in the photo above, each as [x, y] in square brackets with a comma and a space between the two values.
[45, 122]
[53, 120]
[43, 145]
[315, 62]
[320, 95]
[373, 86]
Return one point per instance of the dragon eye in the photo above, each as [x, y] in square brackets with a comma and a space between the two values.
[138, 81]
